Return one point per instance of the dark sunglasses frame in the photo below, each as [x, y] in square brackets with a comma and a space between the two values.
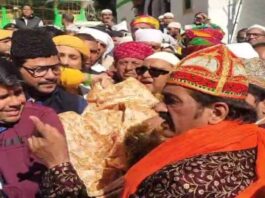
[154, 72]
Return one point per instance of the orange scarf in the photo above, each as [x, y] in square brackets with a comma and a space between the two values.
[226, 136]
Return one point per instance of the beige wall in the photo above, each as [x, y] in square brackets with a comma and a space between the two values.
[186, 16]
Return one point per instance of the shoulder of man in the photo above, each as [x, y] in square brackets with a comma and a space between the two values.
[74, 102]
[46, 114]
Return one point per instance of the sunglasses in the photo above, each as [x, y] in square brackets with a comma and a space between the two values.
[154, 72]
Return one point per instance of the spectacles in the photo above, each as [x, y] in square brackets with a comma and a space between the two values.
[41, 71]
[154, 72]
[255, 34]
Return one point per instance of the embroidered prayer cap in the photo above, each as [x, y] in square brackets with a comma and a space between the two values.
[255, 68]
[147, 20]
[215, 71]
[132, 49]
[72, 41]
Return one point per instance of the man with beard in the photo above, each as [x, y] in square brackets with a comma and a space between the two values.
[36, 56]
[215, 150]
[107, 19]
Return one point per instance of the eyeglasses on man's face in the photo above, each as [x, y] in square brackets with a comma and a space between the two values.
[154, 72]
[255, 35]
[41, 71]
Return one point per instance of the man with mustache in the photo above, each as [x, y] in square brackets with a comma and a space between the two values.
[36, 56]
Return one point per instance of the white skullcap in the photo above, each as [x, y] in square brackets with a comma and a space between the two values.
[165, 56]
[122, 26]
[243, 50]
[160, 17]
[99, 36]
[149, 35]
[169, 15]
[257, 26]
[126, 39]
[106, 11]
[174, 25]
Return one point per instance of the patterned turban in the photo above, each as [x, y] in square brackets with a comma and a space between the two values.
[215, 71]
[203, 36]
[132, 49]
[147, 20]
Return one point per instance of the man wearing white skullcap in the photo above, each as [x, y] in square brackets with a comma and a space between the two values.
[255, 34]
[107, 17]
[156, 69]
[160, 18]
[105, 45]
[168, 18]
[174, 29]
[150, 36]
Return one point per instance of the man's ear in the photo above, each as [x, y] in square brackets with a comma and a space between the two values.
[260, 109]
[219, 112]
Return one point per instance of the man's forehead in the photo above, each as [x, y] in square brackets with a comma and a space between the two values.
[255, 30]
[67, 50]
[42, 61]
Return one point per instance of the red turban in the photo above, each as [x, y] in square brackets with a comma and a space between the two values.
[132, 49]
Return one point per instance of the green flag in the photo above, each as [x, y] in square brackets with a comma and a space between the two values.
[81, 16]
[57, 18]
[5, 19]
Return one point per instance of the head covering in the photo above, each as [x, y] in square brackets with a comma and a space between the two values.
[146, 19]
[149, 35]
[132, 49]
[255, 68]
[106, 11]
[160, 17]
[122, 26]
[165, 56]
[101, 37]
[215, 71]
[169, 15]
[4, 34]
[29, 43]
[174, 25]
[257, 26]
[243, 50]
[72, 41]
[201, 37]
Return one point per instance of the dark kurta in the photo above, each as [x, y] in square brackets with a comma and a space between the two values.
[221, 175]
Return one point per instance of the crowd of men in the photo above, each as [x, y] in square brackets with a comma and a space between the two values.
[210, 115]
